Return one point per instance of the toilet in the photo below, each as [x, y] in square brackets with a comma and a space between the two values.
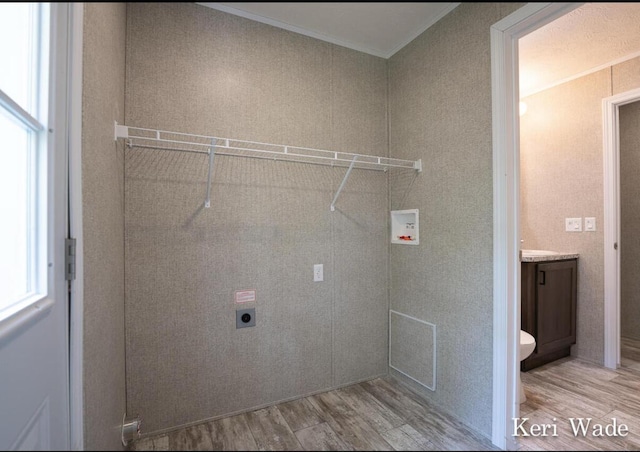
[527, 345]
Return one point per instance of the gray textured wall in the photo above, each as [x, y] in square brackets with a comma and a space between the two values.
[197, 70]
[103, 224]
[562, 176]
[440, 110]
[625, 76]
[630, 220]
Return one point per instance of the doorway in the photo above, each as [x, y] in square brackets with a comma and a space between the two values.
[506, 237]
[629, 132]
[42, 394]
[34, 342]
[612, 228]
[505, 35]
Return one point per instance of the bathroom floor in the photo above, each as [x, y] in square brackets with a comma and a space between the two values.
[381, 414]
[572, 388]
[630, 353]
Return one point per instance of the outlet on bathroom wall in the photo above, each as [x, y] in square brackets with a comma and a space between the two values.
[573, 224]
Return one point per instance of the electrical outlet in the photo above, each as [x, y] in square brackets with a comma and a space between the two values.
[318, 273]
[245, 318]
[573, 224]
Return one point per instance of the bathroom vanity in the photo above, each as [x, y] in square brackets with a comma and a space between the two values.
[548, 304]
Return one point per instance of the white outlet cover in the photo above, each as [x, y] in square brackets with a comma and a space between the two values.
[318, 273]
[589, 224]
[573, 224]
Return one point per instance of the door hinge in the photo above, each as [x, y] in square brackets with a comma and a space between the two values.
[70, 259]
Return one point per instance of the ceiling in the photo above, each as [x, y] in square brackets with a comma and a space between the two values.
[379, 29]
[586, 39]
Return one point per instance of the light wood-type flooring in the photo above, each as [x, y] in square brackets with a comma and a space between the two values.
[381, 414]
[384, 414]
[572, 388]
[630, 353]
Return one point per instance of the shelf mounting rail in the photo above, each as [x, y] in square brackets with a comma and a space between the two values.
[137, 137]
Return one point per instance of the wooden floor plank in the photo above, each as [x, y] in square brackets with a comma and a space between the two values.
[232, 433]
[572, 395]
[628, 382]
[630, 353]
[446, 435]
[586, 371]
[630, 419]
[421, 441]
[546, 393]
[142, 444]
[590, 391]
[563, 439]
[624, 400]
[535, 400]
[440, 429]
[630, 349]
[367, 406]
[196, 437]
[406, 437]
[300, 414]
[154, 443]
[393, 400]
[271, 431]
[629, 363]
[366, 416]
[320, 437]
[350, 427]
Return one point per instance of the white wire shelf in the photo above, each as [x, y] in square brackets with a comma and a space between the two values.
[138, 137]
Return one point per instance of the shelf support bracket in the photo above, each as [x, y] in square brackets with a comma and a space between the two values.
[212, 154]
[120, 131]
[344, 181]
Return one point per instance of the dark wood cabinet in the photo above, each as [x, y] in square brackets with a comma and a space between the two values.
[549, 293]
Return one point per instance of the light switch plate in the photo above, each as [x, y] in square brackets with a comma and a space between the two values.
[589, 223]
[573, 224]
[318, 273]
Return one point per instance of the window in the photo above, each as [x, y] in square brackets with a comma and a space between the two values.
[23, 154]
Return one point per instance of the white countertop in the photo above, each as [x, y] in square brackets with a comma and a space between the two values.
[545, 255]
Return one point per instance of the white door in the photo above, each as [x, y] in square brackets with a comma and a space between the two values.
[34, 351]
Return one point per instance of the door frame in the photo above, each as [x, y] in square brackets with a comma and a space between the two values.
[65, 120]
[611, 155]
[506, 208]
[75, 14]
